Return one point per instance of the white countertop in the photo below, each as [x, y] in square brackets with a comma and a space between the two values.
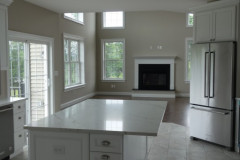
[132, 117]
[11, 100]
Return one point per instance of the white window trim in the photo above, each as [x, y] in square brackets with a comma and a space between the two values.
[103, 19]
[103, 79]
[74, 20]
[82, 58]
[186, 58]
[187, 25]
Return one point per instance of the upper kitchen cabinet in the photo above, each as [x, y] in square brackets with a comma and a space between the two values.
[215, 21]
[3, 33]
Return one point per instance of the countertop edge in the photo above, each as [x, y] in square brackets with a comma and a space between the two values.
[9, 101]
[74, 130]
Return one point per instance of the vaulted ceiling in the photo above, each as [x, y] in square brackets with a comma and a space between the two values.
[62, 6]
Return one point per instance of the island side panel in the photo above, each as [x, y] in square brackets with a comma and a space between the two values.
[46, 145]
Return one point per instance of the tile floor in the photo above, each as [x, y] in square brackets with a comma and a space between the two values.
[173, 143]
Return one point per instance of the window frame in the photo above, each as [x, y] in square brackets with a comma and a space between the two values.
[81, 61]
[103, 21]
[187, 80]
[104, 79]
[75, 20]
[187, 19]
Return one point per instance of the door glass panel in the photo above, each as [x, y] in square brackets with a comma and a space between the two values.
[38, 81]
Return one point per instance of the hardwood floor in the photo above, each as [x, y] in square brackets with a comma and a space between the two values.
[177, 109]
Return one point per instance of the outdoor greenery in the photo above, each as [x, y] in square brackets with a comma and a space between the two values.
[16, 68]
[190, 19]
[113, 60]
[72, 62]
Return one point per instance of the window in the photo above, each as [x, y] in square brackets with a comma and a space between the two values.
[189, 42]
[113, 20]
[190, 19]
[17, 68]
[76, 17]
[74, 75]
[113, 54]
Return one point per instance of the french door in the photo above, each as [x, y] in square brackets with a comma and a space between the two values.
[29, 77]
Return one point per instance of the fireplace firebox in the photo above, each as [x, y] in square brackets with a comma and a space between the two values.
[154, 77]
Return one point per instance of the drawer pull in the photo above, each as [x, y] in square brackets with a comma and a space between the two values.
[19, 117]
[105, 157]
[19, 135]
[19, 107]
[106, 143]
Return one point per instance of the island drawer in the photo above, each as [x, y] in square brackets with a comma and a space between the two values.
[106, 143]
[19, 107]
[105, 156]
[19, 120]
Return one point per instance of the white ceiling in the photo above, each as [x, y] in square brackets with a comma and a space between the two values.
[62, 6]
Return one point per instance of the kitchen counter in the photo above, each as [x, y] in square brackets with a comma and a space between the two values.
[10, 101]
[97, 129]
[131, 117]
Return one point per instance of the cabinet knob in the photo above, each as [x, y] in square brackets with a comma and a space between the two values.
[19, 117]
[20, 136]
[106, 143]
[105, 157]
[19, 107]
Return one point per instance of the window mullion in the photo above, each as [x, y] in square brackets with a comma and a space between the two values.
[69, 60]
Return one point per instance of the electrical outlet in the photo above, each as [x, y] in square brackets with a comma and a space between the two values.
[59, 149]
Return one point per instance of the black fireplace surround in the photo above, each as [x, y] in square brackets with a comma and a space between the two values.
[154, 77]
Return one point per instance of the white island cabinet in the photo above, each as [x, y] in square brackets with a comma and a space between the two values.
[215, 21]
[97, 130]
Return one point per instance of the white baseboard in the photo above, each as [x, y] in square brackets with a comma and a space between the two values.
[114, 93]
[70, 103]
[182, 95]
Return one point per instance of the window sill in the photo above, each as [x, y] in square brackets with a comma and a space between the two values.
[74, 87]
[111, 80]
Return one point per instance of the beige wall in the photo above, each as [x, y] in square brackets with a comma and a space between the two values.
[28, 18]
[142, 30]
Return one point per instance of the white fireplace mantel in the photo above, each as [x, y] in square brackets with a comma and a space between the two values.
[154, 60]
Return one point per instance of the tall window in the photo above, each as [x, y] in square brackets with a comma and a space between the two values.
[76, 17]
[189, 42]
[74, 75]
[113, 54]
[17, 69]
[113, 20]
[190, 19]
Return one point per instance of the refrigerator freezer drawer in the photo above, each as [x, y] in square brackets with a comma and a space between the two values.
[212, 125]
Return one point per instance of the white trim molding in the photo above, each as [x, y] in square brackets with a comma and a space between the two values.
[155, 60]
[6, 2]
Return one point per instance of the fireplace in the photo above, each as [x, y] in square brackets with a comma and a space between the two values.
[157, 73]
[154, 77]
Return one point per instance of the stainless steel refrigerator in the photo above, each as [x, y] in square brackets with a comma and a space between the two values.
[212, 92]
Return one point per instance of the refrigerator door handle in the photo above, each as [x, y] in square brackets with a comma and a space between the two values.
[212, 74]
[206, 75]
[206, 110]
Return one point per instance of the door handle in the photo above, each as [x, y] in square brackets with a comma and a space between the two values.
[206, 110]
[212, 74]
[4, 110]
[206, 75]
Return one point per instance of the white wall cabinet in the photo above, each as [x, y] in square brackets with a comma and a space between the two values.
[3, 33]
[215, 24]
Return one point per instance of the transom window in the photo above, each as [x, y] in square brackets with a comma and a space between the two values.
[189, 42]
[113, 54]
[113, 20]
[76, 17]
[74, 75]
[190, 19]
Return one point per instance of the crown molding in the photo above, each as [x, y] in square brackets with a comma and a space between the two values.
[6, 2]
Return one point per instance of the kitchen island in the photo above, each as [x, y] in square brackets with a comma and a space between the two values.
[97, 130]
